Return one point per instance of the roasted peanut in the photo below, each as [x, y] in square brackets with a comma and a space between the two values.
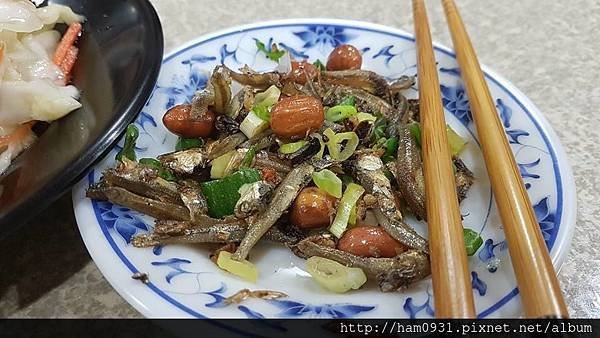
[344, 57]
[302, 71]
[370, 241]
[179, 121]
[296, 116]
[313, 208]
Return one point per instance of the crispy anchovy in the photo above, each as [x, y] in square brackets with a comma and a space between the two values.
[392, 274]
[221, 86]
[248, 77]
[366, 80]
[369, 169]
[145, 205]
[412, 114]
[187, 162]
[264, 159]
[142, 180]
[224, 145]
[409, 170]
[262, 140]
[193, 199]
[253, 199]
[464, 179]
[283, 197]
[236, 103]
[402, 83]
[201, 101]
[365, 102]
[187, 233]
[402, 232]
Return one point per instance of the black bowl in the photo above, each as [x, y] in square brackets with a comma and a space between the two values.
[120, 56]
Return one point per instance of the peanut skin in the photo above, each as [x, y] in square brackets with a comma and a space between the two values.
[312, 209]
[370, 241]
[296, 116]
[179, 121]
[301, 71]
[344, 57]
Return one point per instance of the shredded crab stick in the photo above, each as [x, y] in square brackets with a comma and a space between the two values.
[66, 52]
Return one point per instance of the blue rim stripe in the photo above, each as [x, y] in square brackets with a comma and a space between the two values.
[482, 314]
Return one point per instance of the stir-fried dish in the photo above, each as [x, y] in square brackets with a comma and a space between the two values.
[322, 158]
[35, 66]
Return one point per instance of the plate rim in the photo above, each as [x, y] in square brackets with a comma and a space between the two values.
[564, 171]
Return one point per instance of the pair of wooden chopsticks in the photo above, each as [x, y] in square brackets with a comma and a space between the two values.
[536, 278]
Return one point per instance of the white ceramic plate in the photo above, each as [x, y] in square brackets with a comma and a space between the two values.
[183, 281]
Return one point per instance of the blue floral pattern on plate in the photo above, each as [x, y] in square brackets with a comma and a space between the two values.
[183, 277]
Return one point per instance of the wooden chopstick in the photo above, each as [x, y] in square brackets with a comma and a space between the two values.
[452, 289]
[536, 278]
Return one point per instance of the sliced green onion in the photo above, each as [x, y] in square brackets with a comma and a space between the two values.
[219, 165]
[473, 241]
[290, 148]
[262, 112]
[253, 125]
[319, 155]
[349, 199]
[319, 65]
[456, 142]
[128, 151]
[360, 117]
[334, 276]
[243, 269]
[328, 181]
[188, 143]
[352, 218]
[335, 143]
[267, 98]
[391, 150]
[247, 161]
[340, 112]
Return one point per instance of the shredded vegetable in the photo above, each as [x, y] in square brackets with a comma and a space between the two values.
[348, 201]
[328, 181]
